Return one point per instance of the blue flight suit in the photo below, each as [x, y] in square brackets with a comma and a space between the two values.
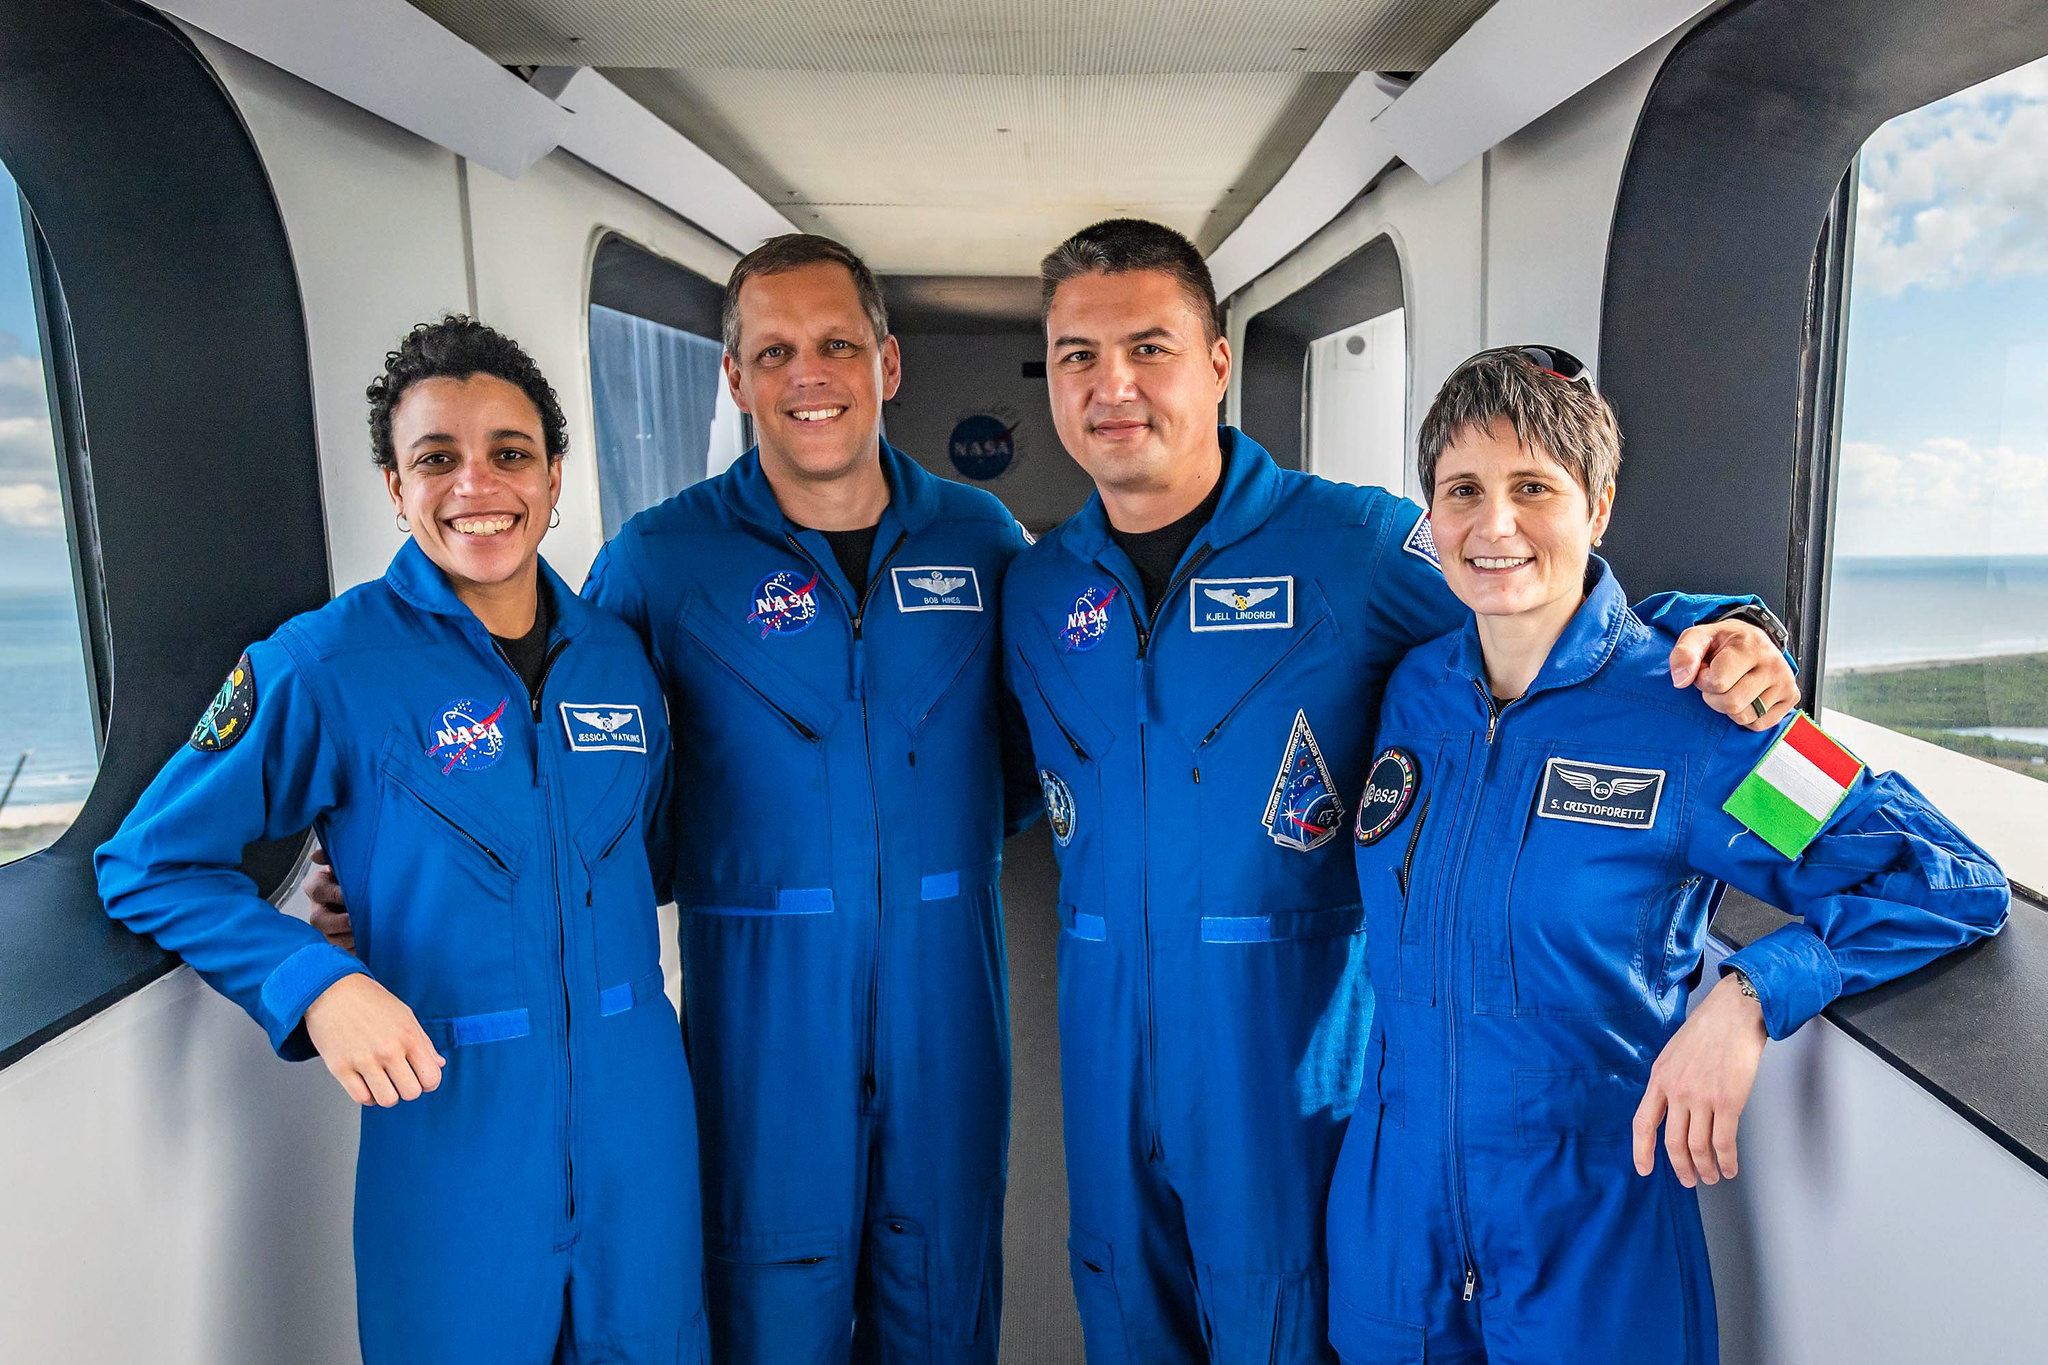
[1196, 756]
[542, 1204]
[839, 817]
[1537, 905]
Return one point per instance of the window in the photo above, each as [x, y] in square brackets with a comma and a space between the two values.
[1938, 613]
[664, 417]
[49, 751]
[1355, 391]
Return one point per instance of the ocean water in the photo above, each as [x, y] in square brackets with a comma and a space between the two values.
[44, 704]
[1906, 610]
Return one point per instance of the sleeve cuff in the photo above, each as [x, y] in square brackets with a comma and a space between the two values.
[296, 984]
[1795, 976]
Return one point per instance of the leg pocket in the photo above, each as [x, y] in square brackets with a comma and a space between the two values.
[777, 1297]
[1095, 1293]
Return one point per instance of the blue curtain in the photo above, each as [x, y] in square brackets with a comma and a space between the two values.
[656, 392]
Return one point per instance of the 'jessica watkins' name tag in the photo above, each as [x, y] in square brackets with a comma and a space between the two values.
[1600, 793]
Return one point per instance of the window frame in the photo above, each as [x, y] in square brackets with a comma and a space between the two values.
[117, 131]
[1722, 347]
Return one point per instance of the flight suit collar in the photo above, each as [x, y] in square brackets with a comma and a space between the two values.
[1251, 485]
[419, 581]
[1589, 640]
[913, 493]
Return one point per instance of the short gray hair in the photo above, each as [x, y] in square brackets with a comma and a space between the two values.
[793, 251]
[1566, 421]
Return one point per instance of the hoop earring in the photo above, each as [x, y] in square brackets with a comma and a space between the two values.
[404, 527]
[555, 519]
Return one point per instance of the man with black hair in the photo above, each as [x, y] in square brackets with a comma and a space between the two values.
[1199, 653]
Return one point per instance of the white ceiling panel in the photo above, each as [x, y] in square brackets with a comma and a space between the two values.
[966, 137]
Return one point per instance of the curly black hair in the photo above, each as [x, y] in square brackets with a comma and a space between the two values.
[457, 347]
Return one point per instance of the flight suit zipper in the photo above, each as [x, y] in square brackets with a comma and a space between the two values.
[1454, 1082]
[1146, 626]
[869, 1085]
[547, 791]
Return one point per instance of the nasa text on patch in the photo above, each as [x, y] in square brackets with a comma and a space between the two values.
[1087, 620]
[936, 587]
[1241, 603]
[784, 603]
[467, 734]
[598, 725]
[1421, 542]
[1600, 793]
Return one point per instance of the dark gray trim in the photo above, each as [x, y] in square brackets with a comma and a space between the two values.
[1363, 285]
[632, 279]
[182, 395]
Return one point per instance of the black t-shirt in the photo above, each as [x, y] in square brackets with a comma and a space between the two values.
[528, 654]
[1155, 553]
[853, 549]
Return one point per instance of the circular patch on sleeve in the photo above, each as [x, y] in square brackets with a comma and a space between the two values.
[1059, 805]
[1389, 791]
[229, 713]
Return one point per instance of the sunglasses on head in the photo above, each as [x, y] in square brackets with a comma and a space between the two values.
[1555, 360]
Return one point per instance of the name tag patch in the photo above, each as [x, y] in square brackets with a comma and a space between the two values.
[595, 726]
[937, 588]
[1600, 794]
[1241, 603]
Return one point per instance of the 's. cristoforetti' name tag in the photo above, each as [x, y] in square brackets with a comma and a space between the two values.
[1600, 793]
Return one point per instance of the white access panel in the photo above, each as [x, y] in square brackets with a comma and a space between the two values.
[1354, 404]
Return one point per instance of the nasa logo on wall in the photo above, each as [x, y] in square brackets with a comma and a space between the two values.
[467, 734]
[983, 446]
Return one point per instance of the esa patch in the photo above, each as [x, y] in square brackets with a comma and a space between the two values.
[1421, 542]
[934, 587]
[467, 735]
[229, 713]
[1600, 794]
[1087, 620]
[785, 603]
[1059, 805]
[1303, 812]
[1389, 791]
[595, 726]
[1241, 603]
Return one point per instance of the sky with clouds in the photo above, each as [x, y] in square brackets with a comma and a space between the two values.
[1945, 408]
[32, 543]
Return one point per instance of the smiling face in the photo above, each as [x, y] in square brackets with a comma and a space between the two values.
[1512, 525]
[1135, 380]
[811, 371]
[473, 479]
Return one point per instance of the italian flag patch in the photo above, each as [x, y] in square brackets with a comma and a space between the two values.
[1791, 793]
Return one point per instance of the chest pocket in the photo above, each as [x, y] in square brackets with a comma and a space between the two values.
[1228, 667]
[947, 661]
[438, 924]
[1068, 741]
[1400, 942]
[750, 751]
[1592, 884]
[618, 890]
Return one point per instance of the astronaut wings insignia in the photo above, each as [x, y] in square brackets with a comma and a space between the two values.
[936, 587]
[1303, 811]
[592, 727]
[1241, 603]
[1600, 794]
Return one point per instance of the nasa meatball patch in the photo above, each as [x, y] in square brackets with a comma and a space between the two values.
[467, 735]
[1600, 794]
[229, 713]
[784, 603]
[1087, 620]
[937, 587]
[594, 726]
[1389, 791]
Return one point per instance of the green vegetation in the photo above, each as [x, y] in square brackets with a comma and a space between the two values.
[1928, 701]
[21, 840]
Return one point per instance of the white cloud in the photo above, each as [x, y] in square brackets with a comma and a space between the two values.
[32, 506]
[27, 447]
[1958, 191]
[1942, 496]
